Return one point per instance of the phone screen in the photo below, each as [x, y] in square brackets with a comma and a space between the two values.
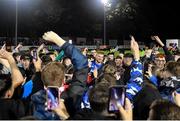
[35, 54]
[52, 97]
[116, 97]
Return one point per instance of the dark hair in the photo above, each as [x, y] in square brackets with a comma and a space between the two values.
[15, 55]
[5, 84]
[106, 78]
[146, 64]
[110, 67]
[26, 57]
[144, 99]
[128, 55]
[32, 48]
[164, 110]
[45, 59]
[98, 97]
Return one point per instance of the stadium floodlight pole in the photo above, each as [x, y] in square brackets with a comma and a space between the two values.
[104, 2]
[16, 23]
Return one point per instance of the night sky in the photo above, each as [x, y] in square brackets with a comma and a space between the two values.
[84, 18]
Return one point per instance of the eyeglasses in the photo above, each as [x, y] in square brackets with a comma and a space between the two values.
[160, 60]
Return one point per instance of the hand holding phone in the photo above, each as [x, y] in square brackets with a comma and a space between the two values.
[53, 97]
[116, 97]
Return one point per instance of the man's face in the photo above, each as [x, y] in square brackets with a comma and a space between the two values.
[160, 62]
[111, 57]
[26, 63]
[18, 58]
[99, 58]
[127, 61]
[118, 61]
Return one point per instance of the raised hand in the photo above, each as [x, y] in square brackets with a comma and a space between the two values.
[135, 48]
[6, 55]
[53, 37]
[18, 47]
[158, 40]
[17, 78]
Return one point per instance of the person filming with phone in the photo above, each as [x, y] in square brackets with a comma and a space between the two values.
[55, 94]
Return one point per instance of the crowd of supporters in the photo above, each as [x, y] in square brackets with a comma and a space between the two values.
[83, 79]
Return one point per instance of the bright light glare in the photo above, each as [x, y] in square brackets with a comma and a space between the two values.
[105, 1]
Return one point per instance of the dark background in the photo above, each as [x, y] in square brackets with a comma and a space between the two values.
[84, 18]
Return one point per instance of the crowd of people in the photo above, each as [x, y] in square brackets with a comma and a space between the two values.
[73, 84]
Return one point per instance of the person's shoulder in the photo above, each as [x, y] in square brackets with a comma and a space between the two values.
[39, 96]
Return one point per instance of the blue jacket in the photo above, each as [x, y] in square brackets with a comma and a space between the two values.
[73, 94]
[94, 66]
[39, 99]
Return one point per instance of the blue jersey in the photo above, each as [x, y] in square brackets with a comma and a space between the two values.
[134, 85]
[95, 65]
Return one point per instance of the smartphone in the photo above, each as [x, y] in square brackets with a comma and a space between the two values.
[116, 97]
[53, 97]
[35, 55]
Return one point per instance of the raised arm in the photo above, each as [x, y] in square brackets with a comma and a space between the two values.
[79, 61]
[134, 85]
[167, 53]
[80, 64]
[158, 40]
[17, 48]
[16, 75]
